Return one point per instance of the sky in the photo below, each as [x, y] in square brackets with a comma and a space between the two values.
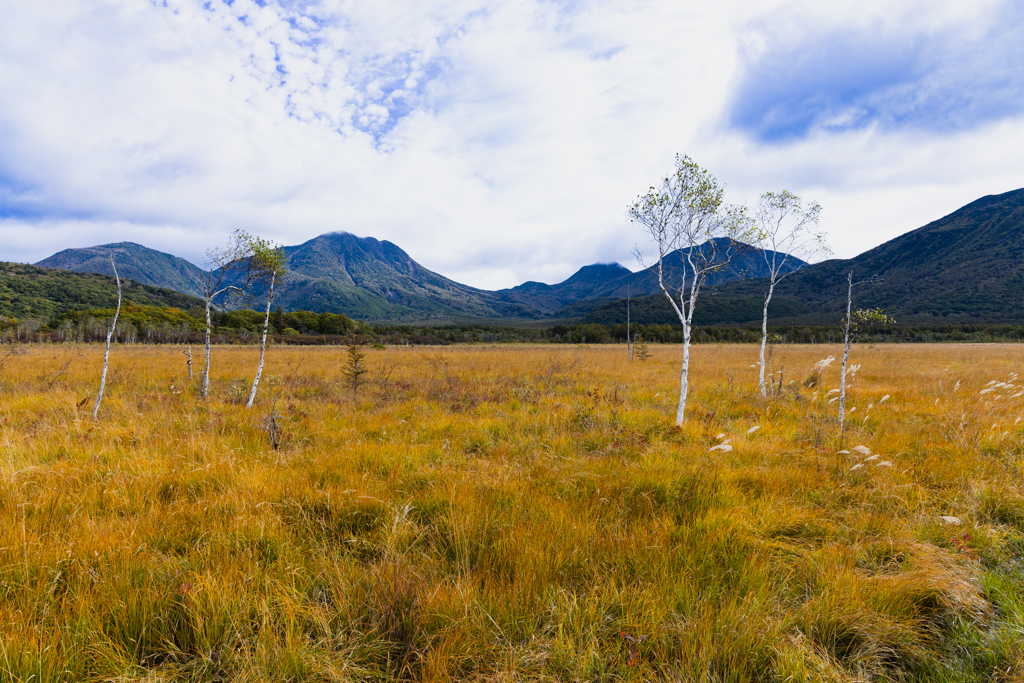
[495, 142]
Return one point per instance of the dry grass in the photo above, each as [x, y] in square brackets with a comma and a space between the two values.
[510, 514]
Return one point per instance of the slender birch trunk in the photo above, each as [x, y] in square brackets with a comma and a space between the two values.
[686, 318]
[263, 345]
[684, 376]
[846, 353]
[764, 336]
[685, 314]
[110, 333]
[206, 368]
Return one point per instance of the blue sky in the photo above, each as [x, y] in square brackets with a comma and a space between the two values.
[940, 82]
[496, 142]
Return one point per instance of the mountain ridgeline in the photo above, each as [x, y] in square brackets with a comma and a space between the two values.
[375, 280]
[967, 267]
[134, 262]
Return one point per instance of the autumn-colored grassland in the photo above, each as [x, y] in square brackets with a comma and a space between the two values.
[511, 513]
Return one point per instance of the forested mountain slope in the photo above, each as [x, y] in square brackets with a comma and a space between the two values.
[967, 266]
[372, 279]
[44, 293]
[134, 262]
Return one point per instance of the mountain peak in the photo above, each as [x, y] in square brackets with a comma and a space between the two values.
[968, 263]
[135, 262]
[600, 270]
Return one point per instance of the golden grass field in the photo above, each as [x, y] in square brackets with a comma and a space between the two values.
[512, 513]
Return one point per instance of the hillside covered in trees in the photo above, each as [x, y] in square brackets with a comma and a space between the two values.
[45, 293]
[966, 267]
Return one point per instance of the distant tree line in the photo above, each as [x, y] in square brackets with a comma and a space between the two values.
[155, 324]
[290, 323]
[595, 333]
[160, 325]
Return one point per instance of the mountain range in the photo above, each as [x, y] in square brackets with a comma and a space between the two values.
[965, 267]
[371, 279]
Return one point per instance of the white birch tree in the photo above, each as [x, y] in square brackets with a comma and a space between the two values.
[110, 333]
[237, 256]
[786, 230]
[269, 266]
[686, 213]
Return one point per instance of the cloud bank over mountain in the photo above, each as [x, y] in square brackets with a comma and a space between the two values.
[497, 142]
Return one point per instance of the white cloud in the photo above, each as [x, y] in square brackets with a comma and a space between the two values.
[495, 142]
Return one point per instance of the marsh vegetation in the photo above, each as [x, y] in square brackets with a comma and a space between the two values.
[512, 513]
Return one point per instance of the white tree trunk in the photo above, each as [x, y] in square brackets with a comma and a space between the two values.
[206, 368]
[764, 337]
[842, 382]
[684, 376]
[846, 354]
[685, 314]
[263, 345]
[110, 333]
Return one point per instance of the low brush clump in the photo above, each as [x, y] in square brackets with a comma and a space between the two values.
[512, 513]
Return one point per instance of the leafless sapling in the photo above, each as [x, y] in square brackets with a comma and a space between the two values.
[69, 357]
[853, 322]
[188, 354]
[110, 333]
[686, 216]
[271, 426]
